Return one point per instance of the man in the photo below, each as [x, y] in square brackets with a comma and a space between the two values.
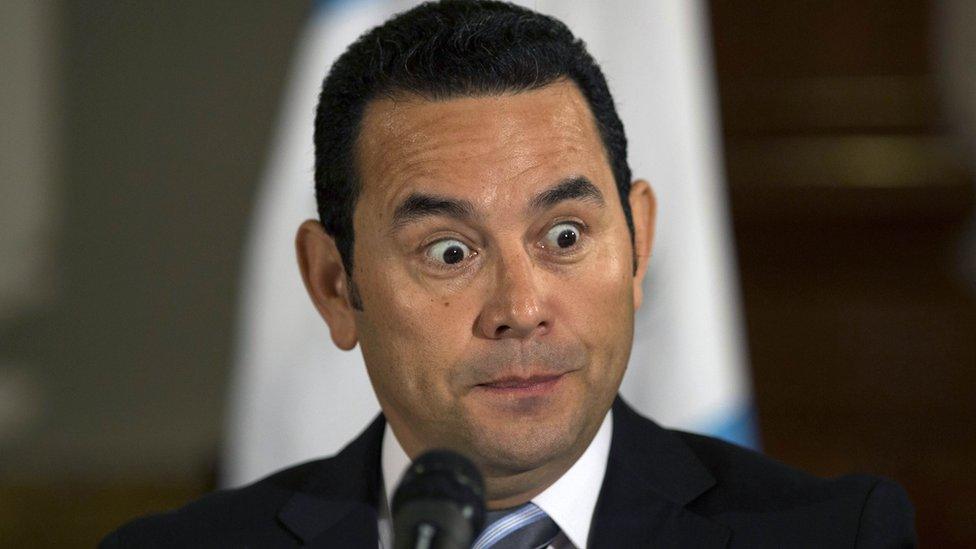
[481, 239]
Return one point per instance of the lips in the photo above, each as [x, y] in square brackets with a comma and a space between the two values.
[523, 389]
[514, 382]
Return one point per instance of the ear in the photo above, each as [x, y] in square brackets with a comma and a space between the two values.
[643, 209]
[326, 282]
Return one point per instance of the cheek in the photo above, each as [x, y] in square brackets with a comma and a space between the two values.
[412, 333]
[604, 289]
[600, 308]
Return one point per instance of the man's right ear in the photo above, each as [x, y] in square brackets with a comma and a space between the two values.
[325, 279]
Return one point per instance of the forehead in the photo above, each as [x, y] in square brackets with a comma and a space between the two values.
[477, 146]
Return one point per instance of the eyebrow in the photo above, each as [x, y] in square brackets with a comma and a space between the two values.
[573, 188]
[419, 205]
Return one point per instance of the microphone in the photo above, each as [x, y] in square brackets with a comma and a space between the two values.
[439, 504]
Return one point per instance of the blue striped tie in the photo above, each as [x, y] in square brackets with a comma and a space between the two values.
[527, 527]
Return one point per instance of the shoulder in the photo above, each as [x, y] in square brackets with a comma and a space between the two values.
[756, 494]
[284, 509]
[243, 515]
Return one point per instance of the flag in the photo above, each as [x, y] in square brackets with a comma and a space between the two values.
[295, 396]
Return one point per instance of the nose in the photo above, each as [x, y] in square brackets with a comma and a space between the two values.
[516, 305]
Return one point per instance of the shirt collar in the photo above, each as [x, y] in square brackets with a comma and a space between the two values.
[394, 462]
[570, 501]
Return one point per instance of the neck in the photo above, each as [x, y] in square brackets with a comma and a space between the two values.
[504, 490]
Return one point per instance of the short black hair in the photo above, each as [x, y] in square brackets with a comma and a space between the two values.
[442, 50]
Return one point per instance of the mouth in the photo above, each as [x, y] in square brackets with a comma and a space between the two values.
[522, 386]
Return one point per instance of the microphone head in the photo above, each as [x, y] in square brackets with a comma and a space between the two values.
[441, 488]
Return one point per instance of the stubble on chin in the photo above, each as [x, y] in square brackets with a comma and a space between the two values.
[504, 448]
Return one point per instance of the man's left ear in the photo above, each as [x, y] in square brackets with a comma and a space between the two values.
[643, 209]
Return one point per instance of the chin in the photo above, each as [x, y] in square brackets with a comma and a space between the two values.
[523, 446]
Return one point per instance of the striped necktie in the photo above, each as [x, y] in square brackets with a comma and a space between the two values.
[527, 527]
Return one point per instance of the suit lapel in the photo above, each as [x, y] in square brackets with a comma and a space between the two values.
[651, 476]
[338, 503]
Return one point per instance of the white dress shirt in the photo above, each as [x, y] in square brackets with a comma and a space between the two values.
[570, 501]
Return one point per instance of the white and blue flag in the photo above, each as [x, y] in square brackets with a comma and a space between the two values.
[295, 396]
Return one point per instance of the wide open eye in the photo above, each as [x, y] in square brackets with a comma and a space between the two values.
[563, 236]
[448, 251]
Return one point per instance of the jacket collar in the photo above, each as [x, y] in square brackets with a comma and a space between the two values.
[651, 476]
[341, 491]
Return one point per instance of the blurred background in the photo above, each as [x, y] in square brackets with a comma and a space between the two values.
[134, 136]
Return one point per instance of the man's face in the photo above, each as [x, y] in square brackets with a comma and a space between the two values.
[496, 274]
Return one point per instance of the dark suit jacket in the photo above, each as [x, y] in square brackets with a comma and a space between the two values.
[662, 489]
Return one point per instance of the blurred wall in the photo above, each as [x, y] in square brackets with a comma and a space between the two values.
[165, 112]
[29, 159]
[29, 153]
[850, 198]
